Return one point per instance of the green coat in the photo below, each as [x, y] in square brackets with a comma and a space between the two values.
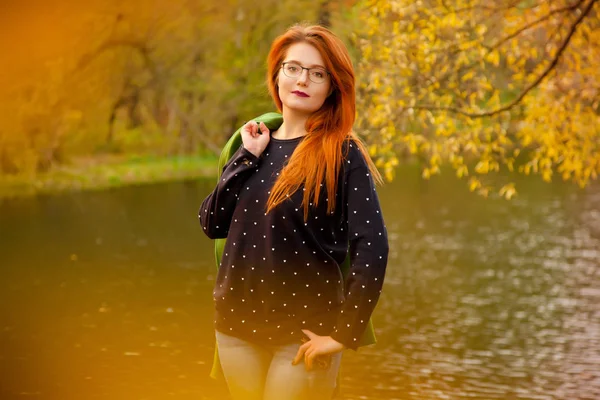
[273, 121]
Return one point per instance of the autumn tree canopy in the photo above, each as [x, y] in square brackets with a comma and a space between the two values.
[483, 85]
[133, 77]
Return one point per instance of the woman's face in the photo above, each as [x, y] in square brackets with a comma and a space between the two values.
[300, 94]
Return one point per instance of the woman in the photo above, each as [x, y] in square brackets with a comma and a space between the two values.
[293, 202]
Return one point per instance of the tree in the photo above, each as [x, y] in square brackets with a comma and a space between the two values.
[484, 86]
[140, 76]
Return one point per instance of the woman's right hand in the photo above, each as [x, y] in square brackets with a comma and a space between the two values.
[253, 140]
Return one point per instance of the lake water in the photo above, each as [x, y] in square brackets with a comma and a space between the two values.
[107, 295]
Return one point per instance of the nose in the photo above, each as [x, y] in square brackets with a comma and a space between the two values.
[303, 78]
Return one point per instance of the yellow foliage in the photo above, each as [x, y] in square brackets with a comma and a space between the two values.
[470, 83]
[134, 77]
[468, 76]
[493, 57]
[474, 184]
[482, 167]
[426, 173]
[508, 191]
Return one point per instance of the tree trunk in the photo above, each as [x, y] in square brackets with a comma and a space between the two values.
[325, 14]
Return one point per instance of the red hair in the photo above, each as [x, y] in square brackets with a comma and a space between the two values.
[318, 158]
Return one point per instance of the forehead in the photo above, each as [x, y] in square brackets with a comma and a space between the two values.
[306, 54]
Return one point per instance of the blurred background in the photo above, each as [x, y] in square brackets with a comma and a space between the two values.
[484, 117]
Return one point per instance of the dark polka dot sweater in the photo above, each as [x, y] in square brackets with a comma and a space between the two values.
[279, 273]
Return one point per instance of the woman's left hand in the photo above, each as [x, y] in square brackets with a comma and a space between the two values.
[316, 346]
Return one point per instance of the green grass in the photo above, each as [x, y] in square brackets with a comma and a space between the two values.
[108, 172]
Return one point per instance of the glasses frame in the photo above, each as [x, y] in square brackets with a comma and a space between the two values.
[302, 70]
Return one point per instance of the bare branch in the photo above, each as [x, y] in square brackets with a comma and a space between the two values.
[209, 144]
[532, 24]
[467, 67]
[494, 10]
[454, 48]
[138, 45]
[535, 83]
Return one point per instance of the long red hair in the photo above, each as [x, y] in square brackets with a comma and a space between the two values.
[318, 158]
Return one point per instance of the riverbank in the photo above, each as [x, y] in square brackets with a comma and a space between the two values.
[108, 172]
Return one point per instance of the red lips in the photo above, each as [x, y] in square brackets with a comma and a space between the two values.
[299, 93]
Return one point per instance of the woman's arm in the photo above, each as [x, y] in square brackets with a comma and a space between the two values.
[368, 247]
[217, 209]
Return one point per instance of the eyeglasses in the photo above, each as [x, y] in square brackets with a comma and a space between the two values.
[294, 70]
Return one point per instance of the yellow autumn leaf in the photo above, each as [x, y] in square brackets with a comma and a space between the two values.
[493, 57]
[547, 175]
[426, 174]
[508, 191]
[482, 167]
[462, 171]
[467, 76]
[474, 184]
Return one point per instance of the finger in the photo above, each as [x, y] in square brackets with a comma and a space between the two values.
[246, 131]
[250, 127]
[309, 358]
[310, 334]
[263, 128]
[256, 130]
[300, 353]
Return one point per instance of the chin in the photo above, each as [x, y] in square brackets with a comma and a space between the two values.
[304, 108]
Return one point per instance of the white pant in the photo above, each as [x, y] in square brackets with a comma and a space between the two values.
[255, 372]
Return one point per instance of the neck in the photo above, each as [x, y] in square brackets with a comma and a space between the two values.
[293, 125]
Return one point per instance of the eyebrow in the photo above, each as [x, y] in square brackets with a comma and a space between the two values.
[310, 66]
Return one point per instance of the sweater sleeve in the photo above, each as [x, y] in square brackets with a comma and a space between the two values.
[368, 248]
[217, 209]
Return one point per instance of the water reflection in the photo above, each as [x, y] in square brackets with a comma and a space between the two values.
[107, 295]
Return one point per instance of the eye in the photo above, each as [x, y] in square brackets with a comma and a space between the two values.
[292, 67]
[319, 74]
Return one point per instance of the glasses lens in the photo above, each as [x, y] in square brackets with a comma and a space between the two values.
[292, 70]
[317, 75]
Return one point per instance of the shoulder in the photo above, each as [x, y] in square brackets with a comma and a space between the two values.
[233, 144]
[353, 156]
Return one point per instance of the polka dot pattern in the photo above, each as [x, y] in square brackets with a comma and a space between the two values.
[280, 273]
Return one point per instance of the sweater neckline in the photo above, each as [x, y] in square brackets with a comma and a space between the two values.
[293, 140]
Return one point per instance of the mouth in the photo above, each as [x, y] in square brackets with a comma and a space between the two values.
[300, 94]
